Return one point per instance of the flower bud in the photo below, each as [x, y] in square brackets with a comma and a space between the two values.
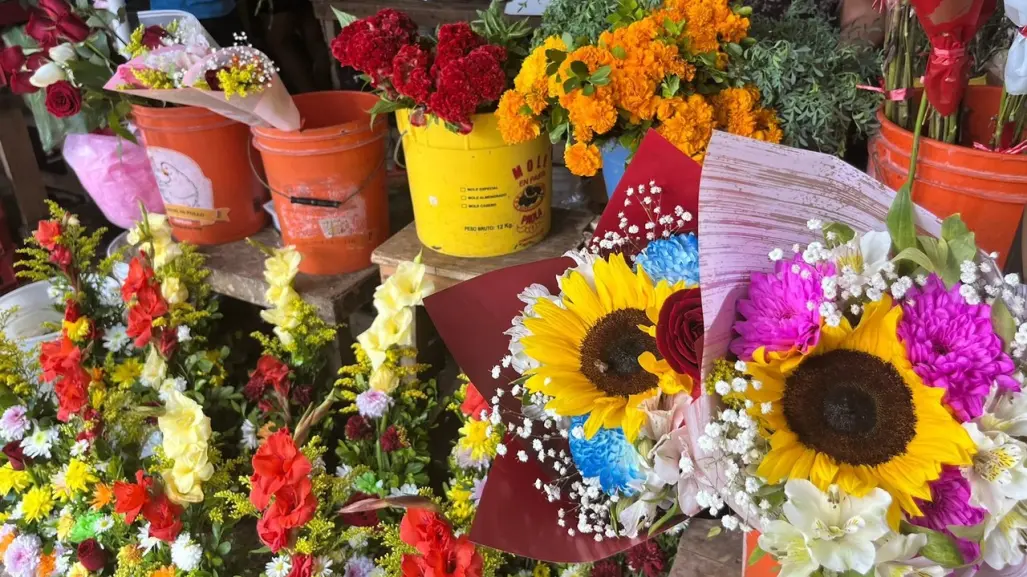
[62, 53]
[46, 75]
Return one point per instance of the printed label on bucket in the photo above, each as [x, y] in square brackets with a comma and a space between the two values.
[187, 193]
[310, 223]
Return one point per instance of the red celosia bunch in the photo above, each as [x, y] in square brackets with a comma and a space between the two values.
[142, 290]
[134, 499]
[441, 553]
[281, 488]
[461, 75]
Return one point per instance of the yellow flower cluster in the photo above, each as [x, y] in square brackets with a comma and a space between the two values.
[152, 79]
[395, 300]
[242, 80]
[11, 480]
[638, 76]
[135, 47]
[153, 235]
[279, 271]
[186, 431]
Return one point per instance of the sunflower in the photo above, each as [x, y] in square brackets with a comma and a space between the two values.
[852, 412]
[596, 353]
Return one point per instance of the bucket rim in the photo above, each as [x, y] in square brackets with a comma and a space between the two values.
[175, 112]
[351, 128]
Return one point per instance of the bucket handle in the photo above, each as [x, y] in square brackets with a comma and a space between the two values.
[310, 200]
[395, 149]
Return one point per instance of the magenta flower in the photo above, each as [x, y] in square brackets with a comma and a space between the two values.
[782, 311]
[953, 346]
[950, 506]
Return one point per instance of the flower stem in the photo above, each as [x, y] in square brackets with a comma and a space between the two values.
[915, 150]
[1000, 120]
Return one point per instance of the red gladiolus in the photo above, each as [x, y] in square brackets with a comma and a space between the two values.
[425, 531]
[165, 518]
[59, 358]
[474, 404]
[442, 555]
[294, 506]
[277, 464]
[131, 498]
[48, 234]
[149, 306]
[269, 371]
[72, 394]
[139, 276]
[302, 566]
[167, 342]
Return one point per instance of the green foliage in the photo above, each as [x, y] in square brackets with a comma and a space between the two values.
[810, 76]
[581, 18]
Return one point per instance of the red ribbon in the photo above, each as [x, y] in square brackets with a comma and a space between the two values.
[891, 95]
[1019, 148]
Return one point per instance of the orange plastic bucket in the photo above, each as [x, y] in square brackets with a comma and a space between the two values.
[765, 567]
[328, 181]
[988, 189]
[201, 161]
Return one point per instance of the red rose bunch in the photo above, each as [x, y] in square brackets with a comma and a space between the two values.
[133, 499]
[679, 334]
[281, 487]
[149, 305]
[370, 44]
[61, 362]
[441, 553]
[53, 21]
[63, 99]
[91, 555]
[270, 372]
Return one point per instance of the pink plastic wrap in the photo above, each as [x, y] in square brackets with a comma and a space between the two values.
[116, 173]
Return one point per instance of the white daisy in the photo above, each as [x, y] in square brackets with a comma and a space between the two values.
[39, 442]
[280, 566]
[104, 524]
[322, 566]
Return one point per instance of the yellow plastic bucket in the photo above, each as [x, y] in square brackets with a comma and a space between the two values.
[474, 195]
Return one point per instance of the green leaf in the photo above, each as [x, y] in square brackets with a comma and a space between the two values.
[734, 50]
[571, 84]
[601, 76]
[916, 256]
[974, 533]
[940, 548]
[714, 531]
[619, 52]
[843, 233]
[568, 40]
[954, 227]
[1002, 321]
[937, 250]
[900, 220]
[588, 89]
[580, 69]
[756, 555]
[385, 106]
[554, 56]
[344, 18]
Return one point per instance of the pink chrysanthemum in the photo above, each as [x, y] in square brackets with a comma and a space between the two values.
[782, 312]
[22, 556]
[950, 506]
[953, 346]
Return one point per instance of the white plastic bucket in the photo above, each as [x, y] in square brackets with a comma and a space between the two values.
[34, 307]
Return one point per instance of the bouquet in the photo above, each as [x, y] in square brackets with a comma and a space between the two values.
[452, 77]
[671, 69]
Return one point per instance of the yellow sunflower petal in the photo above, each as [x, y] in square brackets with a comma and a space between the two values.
[559, 322]
[579, 298]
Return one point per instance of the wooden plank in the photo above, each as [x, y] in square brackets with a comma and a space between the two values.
[19, 164]
[237, 270]
[698, 556]
[566, 234]
[427, 14]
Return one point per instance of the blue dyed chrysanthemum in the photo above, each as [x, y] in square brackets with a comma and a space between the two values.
[672, 259]
[608, 455]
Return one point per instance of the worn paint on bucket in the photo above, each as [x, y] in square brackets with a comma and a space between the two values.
[328, 181]
[201, 161]
[474, 195]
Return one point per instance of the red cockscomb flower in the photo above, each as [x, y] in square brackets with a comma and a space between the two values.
[410, 75]
[370, 44]
[456, 40]
[130, 498]
[467, 83]
[277, 464]
[647, 558]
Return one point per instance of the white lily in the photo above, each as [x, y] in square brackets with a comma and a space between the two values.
[866, 255]
[998, 478]
[898, 556]
[789, 547]
[1004, 543]
[840, 529]
[47, 74]
[650, 496]
[1005, 412]
[62, 53]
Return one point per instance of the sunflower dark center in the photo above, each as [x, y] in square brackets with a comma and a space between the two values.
[850, 405]
[610, 351]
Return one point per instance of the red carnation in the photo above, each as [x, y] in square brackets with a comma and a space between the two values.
[359, 518]
[302, 395]
[149, 305]
[456, 40]
[130, 498]
[15, 455]
[410, 76]
[293, 507]
[606, 568]
[474, 404]
[358, 429]
[165, 518]
[47, 234]
[63, 99]
[277, 464]
[679, 333]
[302, 566]
[647, 558]
[139, 276]
[153, 37]
[391, 440]
[92, 555]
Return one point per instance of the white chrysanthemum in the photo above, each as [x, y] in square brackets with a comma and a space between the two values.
[39, 442]
[184, 333]
[280, 566]
[79, 448]
[186, 554]
[115, 339]
[249, 435]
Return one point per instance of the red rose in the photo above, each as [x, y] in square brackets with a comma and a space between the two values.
[149, 306]
[12, 14]
[42, 29]
[277, 464]
[474, 404]
[63, 99]
[425, 530]
[294, 505]
[61, 256]
[53, 21]
[302, 566]
[91, 555]
[410, 76]
[153, 37]
[72, 393]
[359, 518]
[12, 58]
[130, 498]
[679, 333]
[456, 40]
[47, 234]
[55, 9]
[20, 84]
[139, 275]
[15, 455]
[165, 518]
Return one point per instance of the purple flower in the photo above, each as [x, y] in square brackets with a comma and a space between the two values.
[358, 566]
[373, 403]
[953, 346]
[22, 556]
[782, 311]
[14, 424]
[950, 505]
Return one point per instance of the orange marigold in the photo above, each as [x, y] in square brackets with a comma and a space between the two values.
[582, 159]
[103, 495]
[707, 22]
[514, 125]
[686, 122]
[768, 127]
[589, 115]
[594, 57]
[165, 571]
[532, 80]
